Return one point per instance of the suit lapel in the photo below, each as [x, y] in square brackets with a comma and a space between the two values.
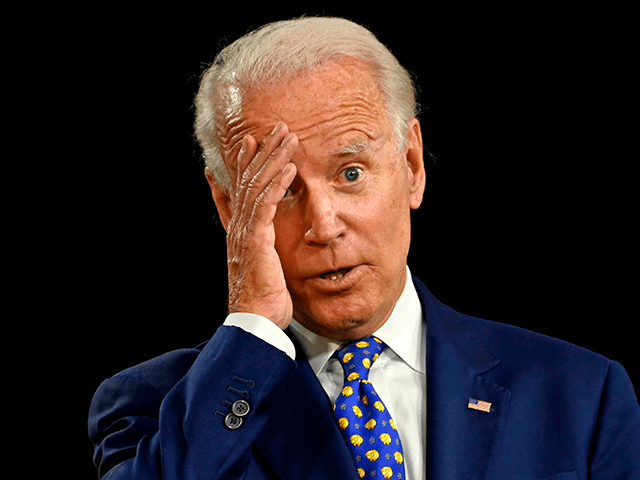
[315, 449]
[461, 442]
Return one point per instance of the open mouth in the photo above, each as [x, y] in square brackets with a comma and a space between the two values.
[335, 275]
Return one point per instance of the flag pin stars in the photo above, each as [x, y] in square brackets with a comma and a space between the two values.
[479, 405]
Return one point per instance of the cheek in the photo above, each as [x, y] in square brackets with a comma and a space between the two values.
[390, 227]
[388, 210]
[289, 237]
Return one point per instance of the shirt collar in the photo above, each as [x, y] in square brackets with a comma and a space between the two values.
[403, 332]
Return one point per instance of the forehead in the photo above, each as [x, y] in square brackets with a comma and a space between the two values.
[342, 98]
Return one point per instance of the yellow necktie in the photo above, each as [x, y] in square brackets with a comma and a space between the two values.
[368, 429]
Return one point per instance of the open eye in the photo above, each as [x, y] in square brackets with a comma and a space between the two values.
[352, 174]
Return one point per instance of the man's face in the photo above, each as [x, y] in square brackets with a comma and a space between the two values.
[343, 229]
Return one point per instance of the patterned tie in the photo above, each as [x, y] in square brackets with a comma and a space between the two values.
[369, 431]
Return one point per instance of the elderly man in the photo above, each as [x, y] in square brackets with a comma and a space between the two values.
[315, 160]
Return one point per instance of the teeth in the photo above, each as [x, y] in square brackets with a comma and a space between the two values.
[333, 275]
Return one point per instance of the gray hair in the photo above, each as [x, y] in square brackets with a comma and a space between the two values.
[281, 49]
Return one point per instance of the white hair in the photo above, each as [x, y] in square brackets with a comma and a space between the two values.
[282, 49]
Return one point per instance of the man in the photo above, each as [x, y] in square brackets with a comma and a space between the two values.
[321, 369]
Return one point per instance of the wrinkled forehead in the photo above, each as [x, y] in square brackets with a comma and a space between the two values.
[342, 94]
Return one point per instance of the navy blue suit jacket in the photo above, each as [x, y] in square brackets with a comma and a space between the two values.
[559, 412]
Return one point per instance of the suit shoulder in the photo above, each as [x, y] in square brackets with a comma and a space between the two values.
[481, 340]
[475, 336]
[519, 345]
[524, 337]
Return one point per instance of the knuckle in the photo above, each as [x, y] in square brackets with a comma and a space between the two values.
[246, 176]
[251, 185]
[261, 199]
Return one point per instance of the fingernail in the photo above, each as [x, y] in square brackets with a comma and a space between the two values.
[276, 128]
[286, 139]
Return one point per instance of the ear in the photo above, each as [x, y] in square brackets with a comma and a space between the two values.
[221, 199]
[415, 163]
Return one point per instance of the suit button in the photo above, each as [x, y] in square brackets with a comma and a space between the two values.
[240, 408]
[232, 421]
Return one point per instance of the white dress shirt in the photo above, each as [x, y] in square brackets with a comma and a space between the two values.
[399, 375]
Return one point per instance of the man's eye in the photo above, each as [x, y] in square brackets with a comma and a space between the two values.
[352, 174]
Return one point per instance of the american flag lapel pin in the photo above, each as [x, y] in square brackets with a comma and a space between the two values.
[479, 405]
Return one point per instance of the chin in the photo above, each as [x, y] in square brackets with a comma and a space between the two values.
[352, 307]
[339, 319]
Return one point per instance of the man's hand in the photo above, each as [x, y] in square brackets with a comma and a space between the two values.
[263, 174]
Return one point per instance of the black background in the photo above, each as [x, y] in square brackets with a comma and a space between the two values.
[527, 216]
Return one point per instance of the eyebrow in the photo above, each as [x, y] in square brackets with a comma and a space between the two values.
[353, 149]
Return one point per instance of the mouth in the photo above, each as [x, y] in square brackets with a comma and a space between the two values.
[335, 275]
[338, 281]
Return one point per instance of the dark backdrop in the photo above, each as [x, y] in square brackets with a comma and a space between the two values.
[527, 216]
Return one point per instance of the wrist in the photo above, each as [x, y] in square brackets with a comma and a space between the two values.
[262, 328]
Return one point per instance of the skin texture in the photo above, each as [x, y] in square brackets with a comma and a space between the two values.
[319, 187]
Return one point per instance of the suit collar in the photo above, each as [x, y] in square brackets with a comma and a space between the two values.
[457, 330]
[461, 442]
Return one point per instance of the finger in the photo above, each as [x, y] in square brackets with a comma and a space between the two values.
[266, 204]
[248, 150]
[269, 169]
[266, 149]
[253, 156]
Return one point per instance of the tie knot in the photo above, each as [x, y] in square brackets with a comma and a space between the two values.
[357, 357]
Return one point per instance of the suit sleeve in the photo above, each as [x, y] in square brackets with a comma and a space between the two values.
[616, 447]
[165, 419]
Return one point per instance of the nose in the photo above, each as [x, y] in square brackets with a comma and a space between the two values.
[322, 216]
